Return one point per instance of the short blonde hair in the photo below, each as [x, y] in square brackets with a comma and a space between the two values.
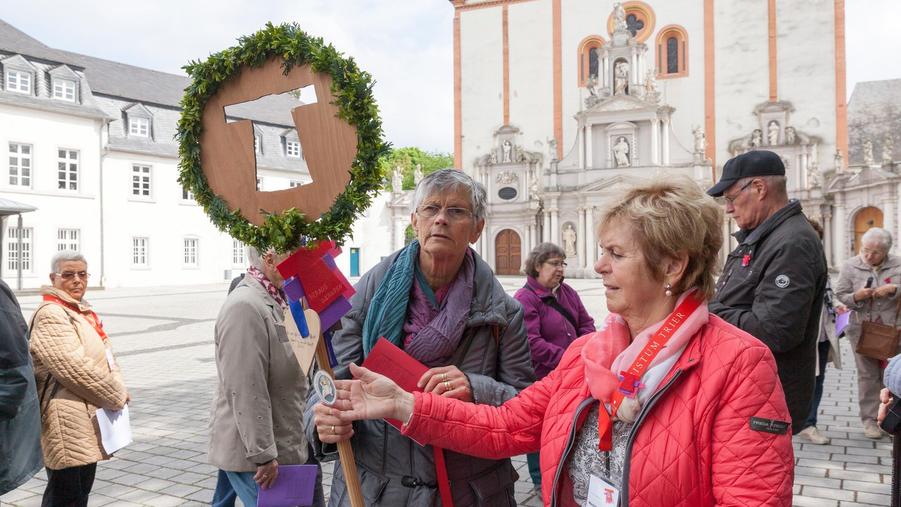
[669, 217]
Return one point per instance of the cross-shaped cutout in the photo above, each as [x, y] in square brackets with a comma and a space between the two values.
[634, 24]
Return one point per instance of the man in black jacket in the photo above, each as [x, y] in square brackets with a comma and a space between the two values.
[772, 284]
[20, 415]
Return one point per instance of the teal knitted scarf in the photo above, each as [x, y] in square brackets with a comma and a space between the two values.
[388, 307]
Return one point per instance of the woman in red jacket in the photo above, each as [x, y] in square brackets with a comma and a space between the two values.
[666, 405]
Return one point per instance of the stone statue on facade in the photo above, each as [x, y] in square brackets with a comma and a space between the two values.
[791, 137]
[552, 148]
[621, 78]
[535, 185]
[700, 136]
[651, 92]
[772, 133]
[619, 18]
[756, 138]
[417, 174]
[868, 152]
[837, 160]
[813, 176]
[593, 96]
[507, 152]
[888, 150]
[569, 240]
[621, 155]
[397, 179]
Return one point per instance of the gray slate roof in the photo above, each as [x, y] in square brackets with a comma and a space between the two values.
[138, 84]
[10, 207]
[874, 111]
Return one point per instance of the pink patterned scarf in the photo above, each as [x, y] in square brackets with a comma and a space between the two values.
[609, 351]
[270, 287]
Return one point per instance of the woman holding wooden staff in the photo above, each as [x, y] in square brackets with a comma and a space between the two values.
[440, 302]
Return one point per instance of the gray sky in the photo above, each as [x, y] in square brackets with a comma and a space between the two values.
[407, 45]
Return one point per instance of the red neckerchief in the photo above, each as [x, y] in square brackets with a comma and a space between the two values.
[267, 284]
[94, 320]
[630, 380]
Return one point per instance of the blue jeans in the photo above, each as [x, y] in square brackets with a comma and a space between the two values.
[243, 485]
[225, 495]
[823, 352]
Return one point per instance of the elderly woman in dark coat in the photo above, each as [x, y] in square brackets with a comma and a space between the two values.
[440, 302]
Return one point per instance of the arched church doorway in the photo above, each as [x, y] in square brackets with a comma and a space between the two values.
[507, 253]
[866, 218]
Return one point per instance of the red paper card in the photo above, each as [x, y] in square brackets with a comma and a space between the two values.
[389, 360]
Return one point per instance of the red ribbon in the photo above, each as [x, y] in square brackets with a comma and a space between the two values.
[631, 378]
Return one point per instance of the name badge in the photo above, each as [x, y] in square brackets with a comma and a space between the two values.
[601, 493]
[109, 359]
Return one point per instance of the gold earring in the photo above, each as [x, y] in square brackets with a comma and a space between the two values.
[669, 290]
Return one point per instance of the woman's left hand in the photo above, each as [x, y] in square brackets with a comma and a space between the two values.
[447, 381]
[885, 291]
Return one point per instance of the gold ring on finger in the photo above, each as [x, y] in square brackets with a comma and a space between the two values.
[447, 386]
[333, 429]
[444, 377]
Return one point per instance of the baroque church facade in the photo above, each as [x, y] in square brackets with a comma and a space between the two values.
[560, 106]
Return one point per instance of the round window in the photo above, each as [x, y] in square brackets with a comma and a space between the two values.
[507, 193]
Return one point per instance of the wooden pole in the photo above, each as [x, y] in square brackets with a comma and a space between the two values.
[345, 450]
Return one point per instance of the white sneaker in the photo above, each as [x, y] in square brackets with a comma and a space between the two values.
[813, 436]
[871, 430]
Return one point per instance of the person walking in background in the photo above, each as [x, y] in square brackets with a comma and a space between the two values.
[20, 416]
[868, 284]
[773, 281]
[76, 373]
[554, 316]
[827, 351]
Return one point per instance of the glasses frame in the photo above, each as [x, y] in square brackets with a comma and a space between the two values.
[731, 200]
[450, 216]
[84, 275]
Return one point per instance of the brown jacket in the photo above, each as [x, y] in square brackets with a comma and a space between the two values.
[74, 379]
[257, 412]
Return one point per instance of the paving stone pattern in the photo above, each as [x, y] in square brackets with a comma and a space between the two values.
[163, 340]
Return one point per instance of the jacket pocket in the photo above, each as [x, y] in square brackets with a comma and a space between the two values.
[281, 333]
[372, 486]
[495, 488]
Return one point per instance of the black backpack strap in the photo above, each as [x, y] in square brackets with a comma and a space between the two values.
[553, 303]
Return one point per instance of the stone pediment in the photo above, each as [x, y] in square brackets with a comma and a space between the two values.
[618, 103]
[861, 177]
[615, 183]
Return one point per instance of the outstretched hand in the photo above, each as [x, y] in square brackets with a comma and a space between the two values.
[372, 396]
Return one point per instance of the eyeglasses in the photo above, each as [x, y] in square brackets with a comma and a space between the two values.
[731, 200]
[452, 214]
[68, 275]
[556, 264]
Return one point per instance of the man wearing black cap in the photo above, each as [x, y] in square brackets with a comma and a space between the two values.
[772, 284]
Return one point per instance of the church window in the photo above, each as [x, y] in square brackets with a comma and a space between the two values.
[590, 58]
[672, 52]
[634, 24]
[640, 19]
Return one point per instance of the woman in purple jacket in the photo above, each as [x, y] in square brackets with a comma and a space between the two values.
[553, 314]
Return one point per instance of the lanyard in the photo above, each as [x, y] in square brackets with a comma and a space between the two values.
[94, 320]
[630, 379]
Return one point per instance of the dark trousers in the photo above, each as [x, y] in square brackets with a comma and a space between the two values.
[823, 356]
[69, 487]
[534, 468]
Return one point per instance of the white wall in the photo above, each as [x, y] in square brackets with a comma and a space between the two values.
[531, 73]
[47, 132]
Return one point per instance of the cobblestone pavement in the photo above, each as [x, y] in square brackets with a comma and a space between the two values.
[163, 340]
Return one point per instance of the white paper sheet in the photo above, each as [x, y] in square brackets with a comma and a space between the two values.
[115, 428]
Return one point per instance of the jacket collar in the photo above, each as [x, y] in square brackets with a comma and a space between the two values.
[539, 289]
[261, 291]
[891, 261]
[49, 290]
[752, 236]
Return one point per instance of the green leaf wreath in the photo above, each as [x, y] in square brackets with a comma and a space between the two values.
[352, 92]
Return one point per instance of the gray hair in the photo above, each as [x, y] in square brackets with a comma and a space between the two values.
[448, 180]
[879, 236]
[539, 255]
[254, 257]
[65, 256]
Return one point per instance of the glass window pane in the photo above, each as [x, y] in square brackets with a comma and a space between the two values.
[672, 55]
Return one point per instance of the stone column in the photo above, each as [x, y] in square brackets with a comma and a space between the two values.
[580, 237]
[827, 237]
[655, 141]
[555, 226]
[546, 230]
[840, 245]
[665, 134]
[589, 151]
[588, 234]
[633, 68]
[606, 70]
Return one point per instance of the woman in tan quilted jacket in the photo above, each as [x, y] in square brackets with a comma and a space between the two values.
[76, 374]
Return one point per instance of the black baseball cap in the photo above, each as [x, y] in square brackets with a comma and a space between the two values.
[752, 163]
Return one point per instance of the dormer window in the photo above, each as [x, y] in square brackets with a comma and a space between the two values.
[139, 127]
[18, 81]
[292, 149]
[64, 89]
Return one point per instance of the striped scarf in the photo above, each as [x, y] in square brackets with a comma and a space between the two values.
[388, 307]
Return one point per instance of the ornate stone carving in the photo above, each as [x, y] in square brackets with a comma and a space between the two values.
[507, 152]
[506, 178]
[622, 153]
[790, 136]
[569, 240]
[868, 152]
[772, 133]
[621, 77]
[700, 144]
[888, 150]
[756, 138]
[814, 178]
[417, 174]
[619, 18]
[397, 179]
